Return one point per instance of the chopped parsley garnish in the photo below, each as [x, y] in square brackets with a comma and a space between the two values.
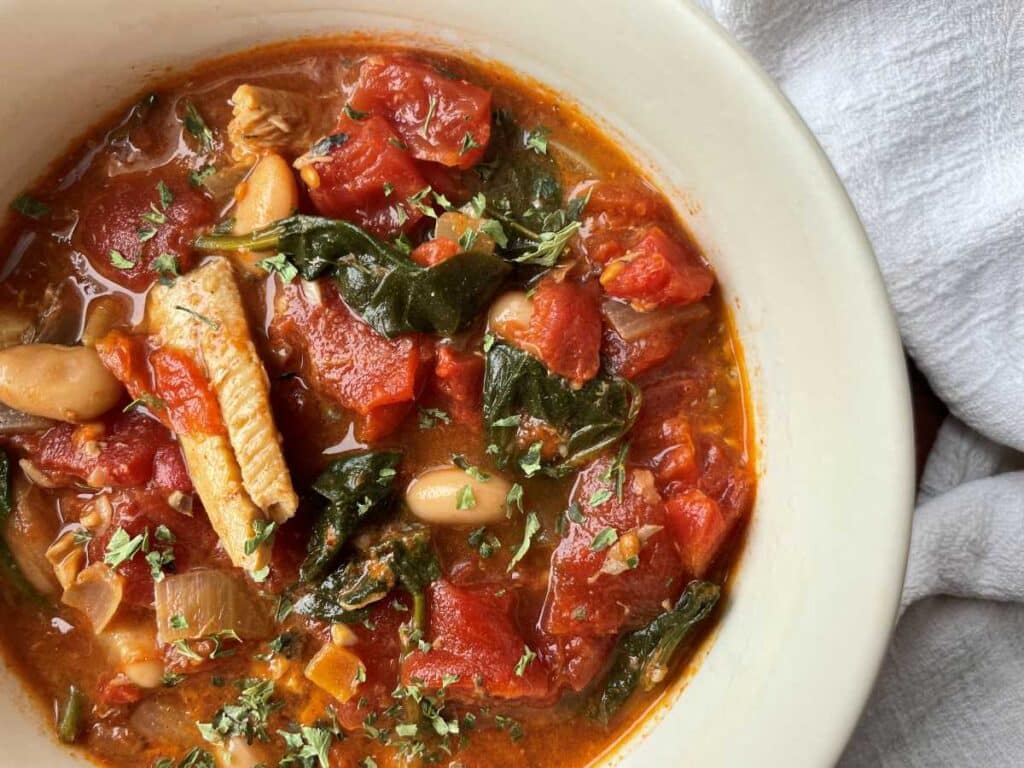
[171, 679]
[599, 497]
[515, 730]
[178, 621]
[431, 417]
[537, 140]
[465, 499]
[279, 265]
[165, 534]
[247, 717]
[154, 216]
[166, 196]
[468, 144]
[488, 343]
[549, 246]
[283, 610]
[529, 531]
[195, 125]
[201, 318]
[121, 548]
[475, 472]
[158, 560]
[418, 201]
[30, 206]
[388, 188]
[262, 532]
[308, 748]
[166, 265]
[354, 114]
[327, 143]
[197, 177]
[575, 513]
[119, 261]
[431, 108]
[529, 462]
[514, 498]
[483, 542]
[146, 399]
[81, 537]
[524, 660]
[507, 421]
[604, 539]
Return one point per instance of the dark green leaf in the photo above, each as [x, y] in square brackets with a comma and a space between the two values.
[644, 655]
[392, 293]
[72, 716]
[356, 486]
[587, 420]
[29, 206]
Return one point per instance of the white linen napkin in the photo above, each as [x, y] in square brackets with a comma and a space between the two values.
[920, 106]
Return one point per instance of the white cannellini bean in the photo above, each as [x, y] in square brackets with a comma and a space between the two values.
[509, 313]
[56, 382]
[436, 495]
[267, 195]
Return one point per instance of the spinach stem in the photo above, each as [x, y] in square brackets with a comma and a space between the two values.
[69, 727]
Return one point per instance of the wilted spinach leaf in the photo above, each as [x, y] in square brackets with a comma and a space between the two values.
[390, 291]
[356, 486]
[643, 656]
[403, 557]
[587, 420]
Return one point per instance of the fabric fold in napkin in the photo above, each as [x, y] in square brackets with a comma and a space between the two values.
[920, 106]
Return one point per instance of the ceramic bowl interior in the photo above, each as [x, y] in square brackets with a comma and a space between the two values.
[811, 610]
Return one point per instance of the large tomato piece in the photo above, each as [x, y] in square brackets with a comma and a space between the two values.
[614, 216]
[366, 177]
[121, 450]
[699, 529]
[565, 328]
[474, 638]
[657, 272]
[377, 378]
[137, 512]
[584, 596]
[439, 118]
[458, 380]
[129, 219]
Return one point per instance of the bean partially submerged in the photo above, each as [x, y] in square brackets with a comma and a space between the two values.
[56, 382]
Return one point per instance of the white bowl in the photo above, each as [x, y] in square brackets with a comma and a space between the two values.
[811, 610]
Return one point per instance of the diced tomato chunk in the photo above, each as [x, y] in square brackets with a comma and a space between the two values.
[662, 438]
[138, 512]
[185, 393]
[184, 399]
[614, 217]
[699, 529]
[458, 379]
[636, 357]
[438, 117]
[575, 660]
[657, 272]
[367, 179]
[128, 216]
[122, 450]
[565, 328]
[473, 636]
[725, 477]
[434, 251]
[377, 378]
[583, 600]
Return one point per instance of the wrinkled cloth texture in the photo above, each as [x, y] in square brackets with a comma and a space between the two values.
[920, 106]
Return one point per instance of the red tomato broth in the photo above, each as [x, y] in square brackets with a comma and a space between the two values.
[706, 352]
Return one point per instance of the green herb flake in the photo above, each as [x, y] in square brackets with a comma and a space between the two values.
[389, 188]
[154, 216]
[468, 144]
[199, 176]
[575, 513]
[158, 560]
[514, 498]
[166, 196]
[604, 539]
[178, 621]
[524, 660]
[537, 140]
[431, 417]
[145, 399]
[197, 127]
[599, 497]
[354, 114]
[31, 207]
[279, 265]
[324, 146]
[201, 318]
[118, 260]
[166, 265]
[529, 462]
[529, 531]
[121, 548]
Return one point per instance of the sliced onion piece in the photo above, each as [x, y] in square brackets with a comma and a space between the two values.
[632, 325]
[97, 592]
[206, 602]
